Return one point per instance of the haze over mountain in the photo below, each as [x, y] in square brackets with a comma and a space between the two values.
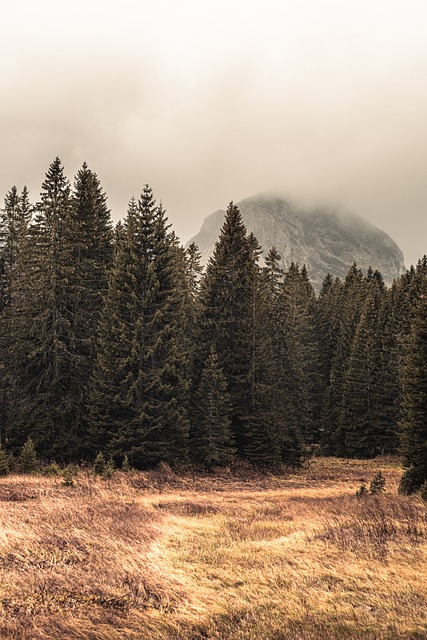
[324, 238]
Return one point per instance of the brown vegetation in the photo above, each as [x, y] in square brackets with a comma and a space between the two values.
[156, 556]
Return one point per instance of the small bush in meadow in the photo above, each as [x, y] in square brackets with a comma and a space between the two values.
[28, 460]
[109, 468]
[103, 467]
[378, 483]
[51, 469]
[126, 465]
[68, 475]
[409, 482]
[362, 491]
[99, 465]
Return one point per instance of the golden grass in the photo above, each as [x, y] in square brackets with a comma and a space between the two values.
[155, 556]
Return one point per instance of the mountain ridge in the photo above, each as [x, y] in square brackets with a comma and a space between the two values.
[326, 239]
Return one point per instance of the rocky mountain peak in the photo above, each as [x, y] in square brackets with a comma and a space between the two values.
[325, 239]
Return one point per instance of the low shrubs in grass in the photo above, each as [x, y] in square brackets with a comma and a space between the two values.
[376, 486]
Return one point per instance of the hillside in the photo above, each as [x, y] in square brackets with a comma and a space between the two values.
[326, 240]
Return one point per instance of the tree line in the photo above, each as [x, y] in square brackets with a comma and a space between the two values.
[115, 340]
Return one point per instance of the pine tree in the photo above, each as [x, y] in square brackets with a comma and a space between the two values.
[56, 311]
[298, 351]
[28, 461]
[351, 298]
[100, 464]
[361, 379]
[15, 258]
[90, 239]
[14, 227]
[42, 321]
[414, 423]
[194, 270]
[139, 386]
[226, 317]
[265, 414]
[211, 439]
[386, 393]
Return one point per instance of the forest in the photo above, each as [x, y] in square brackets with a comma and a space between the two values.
[113, 339]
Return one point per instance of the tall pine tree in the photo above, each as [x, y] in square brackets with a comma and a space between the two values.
[414, 422]
[226, 317]
[139, 387]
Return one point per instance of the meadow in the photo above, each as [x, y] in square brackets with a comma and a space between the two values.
[156, 556]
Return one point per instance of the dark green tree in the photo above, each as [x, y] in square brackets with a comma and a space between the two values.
[90, 240]
[362, 376]
[414, 423]
[15, 221]
[349, 309]
[211, 437]
[139, 388]
[299, 364]
[58, 294]
[42, 320]
[265, 410]
[28, 460]
[226, 317]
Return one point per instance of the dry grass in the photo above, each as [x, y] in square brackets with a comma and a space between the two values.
[154, 556]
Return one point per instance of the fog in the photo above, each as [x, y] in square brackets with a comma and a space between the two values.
[319, 100]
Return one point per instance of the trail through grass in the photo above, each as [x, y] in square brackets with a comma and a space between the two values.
[159, 557]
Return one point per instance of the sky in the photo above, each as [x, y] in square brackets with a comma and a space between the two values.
[208, 102]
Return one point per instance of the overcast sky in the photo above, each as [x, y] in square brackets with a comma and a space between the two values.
[212, 102]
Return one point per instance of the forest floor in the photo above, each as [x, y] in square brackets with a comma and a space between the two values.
[159, 557]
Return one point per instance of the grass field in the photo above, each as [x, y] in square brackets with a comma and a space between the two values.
[154, 556]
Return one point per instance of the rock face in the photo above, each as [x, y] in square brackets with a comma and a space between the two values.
[324, 239]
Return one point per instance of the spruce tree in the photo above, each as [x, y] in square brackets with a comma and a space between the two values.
[43, 324]
[226, 317]
[211, 438]
[327, 315]
[28, 460]
[414, 423]
[361, 378]
[137, 404]
[90, 239]
[15, 221]
[265, 413]
[299, 365]
[349, 308]
[55, 313]
[15, 263]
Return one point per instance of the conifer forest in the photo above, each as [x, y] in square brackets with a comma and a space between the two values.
[113, 339]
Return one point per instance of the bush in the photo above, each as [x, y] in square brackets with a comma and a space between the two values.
[69, 474]
[362, 491]
[109, 468]
[99, 465]
[51, 469]
[125, 464]
[102, 467]
[409, 482]
[423, 491]
[378, 483]
[28, 461]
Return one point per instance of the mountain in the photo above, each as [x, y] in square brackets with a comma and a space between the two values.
[326, 240]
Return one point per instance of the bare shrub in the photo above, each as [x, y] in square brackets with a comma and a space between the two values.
[373, 525]
[187, 508]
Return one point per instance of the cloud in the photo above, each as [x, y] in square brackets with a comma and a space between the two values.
[213, 103]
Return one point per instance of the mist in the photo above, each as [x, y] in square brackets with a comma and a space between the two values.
[209, 105]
